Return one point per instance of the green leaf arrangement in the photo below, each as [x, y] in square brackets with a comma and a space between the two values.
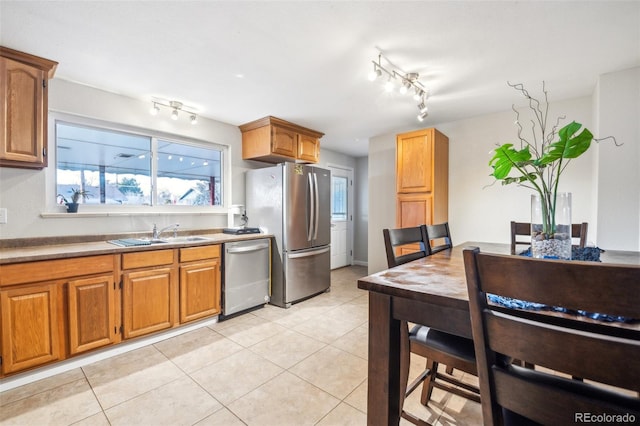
[539, 161]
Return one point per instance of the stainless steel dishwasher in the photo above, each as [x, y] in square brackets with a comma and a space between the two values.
[247, 275]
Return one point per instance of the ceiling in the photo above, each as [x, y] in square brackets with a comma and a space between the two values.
[308, 61]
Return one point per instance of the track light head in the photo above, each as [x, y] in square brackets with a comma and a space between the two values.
[388, 86]
[175, 107]
[375, 74]
[406, 84]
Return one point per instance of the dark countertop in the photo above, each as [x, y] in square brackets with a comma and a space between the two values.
[49, 248]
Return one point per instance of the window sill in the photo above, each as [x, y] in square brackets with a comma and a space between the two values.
[65, 215]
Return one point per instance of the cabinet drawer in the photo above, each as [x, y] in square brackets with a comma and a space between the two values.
[29, 272]
[199, 253]
[147, 258]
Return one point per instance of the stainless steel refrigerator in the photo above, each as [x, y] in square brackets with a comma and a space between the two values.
[292, 202]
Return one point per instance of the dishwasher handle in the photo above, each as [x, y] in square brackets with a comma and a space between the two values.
[246, 249]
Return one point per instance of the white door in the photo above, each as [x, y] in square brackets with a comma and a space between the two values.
[341, 216]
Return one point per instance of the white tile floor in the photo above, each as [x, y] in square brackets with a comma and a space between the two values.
[306, 365]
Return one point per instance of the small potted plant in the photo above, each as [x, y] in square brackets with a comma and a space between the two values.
[537, 163]
[76, 194]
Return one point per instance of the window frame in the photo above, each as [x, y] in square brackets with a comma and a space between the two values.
[109, 209]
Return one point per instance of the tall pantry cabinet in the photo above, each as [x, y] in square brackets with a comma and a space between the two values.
[422, 179]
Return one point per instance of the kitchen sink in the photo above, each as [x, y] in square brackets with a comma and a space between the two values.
[131, 242]
[185, 239]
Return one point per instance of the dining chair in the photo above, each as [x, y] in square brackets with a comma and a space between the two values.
[436, 346]
[578, 231]
[564, 345]
[439, 237]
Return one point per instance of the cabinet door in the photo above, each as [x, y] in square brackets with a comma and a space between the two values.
[308, 148]
[148, 301]
[414, 210]
[91, 313]
[284, 141]
[23, 114]
[199, 290]
[414, 162]
[30, 334]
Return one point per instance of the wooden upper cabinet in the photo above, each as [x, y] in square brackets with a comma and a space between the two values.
[273, 140]
[414, 155]
[284, 141]
[308, 149]
[23, 108]
[422, 178]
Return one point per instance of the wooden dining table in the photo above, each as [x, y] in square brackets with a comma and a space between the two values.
[431, 291]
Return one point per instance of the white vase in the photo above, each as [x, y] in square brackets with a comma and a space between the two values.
[551, 234]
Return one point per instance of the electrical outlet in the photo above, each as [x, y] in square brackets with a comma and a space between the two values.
[3, 215]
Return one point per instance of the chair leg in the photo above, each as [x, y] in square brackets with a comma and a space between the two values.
[427, 386]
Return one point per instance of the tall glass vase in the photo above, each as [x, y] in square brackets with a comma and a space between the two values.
[551, 233]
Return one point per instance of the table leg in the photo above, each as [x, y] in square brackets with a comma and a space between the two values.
[383, 400]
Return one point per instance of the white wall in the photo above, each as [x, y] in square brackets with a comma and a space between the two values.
[479, 211]
[382, 197]
[618, 113]
[27, 194]
[361, 215]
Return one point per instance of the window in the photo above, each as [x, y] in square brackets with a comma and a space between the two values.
[118, 167]
[339, 198]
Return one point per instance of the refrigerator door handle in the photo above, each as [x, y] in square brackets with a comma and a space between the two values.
[317, 203]
[308, 253]
[311, 210]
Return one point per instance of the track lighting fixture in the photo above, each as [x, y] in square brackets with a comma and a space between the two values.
[408, 81]
[175, 107]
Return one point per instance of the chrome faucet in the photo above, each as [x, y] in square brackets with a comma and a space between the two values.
[156, 233]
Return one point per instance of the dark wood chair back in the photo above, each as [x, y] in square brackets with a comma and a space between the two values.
[439, 237]
[394, 238]
[578, 230]
[599, 352]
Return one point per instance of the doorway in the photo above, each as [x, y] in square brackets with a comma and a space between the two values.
[341, 216]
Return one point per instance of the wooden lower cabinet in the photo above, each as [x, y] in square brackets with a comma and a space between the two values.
[148, 301]
[199, 290]
[199, 282]
[54, 309]
[92, 313]
[30, 332]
